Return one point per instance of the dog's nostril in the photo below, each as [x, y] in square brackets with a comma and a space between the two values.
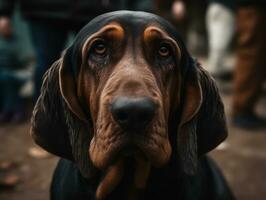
[144, 116]
[133, 112]
[122, 116]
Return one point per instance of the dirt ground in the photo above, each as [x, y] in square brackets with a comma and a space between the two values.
[242, 158]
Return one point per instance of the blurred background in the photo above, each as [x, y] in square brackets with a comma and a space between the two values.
[227, 36]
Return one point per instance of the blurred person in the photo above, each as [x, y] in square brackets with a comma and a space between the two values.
[178, 10]
[250, 71]
[188, 16]
[220, 21]
[175, 11]
[51, 21]
[10, 83]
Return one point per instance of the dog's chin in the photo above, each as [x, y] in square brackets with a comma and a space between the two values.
[156, 150]
[139, 151]
[129, 171]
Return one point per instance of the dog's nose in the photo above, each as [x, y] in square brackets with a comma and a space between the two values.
[133, 113]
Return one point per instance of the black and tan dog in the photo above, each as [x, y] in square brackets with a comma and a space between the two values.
[132, 114]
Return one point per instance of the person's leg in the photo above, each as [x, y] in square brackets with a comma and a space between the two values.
[4, 116]
[220, 22]
[9, 97]
[48, 41]
[14, 100]
[1, 97]
[250, 66]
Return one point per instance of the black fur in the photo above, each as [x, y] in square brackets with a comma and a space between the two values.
[189, 175]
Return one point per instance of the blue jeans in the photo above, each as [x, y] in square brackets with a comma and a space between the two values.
[48, 40]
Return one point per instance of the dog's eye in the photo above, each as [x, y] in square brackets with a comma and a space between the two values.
[99, 48]
[164, 50]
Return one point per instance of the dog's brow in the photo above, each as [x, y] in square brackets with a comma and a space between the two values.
[113, 30]
[152, 31]
[155, 32]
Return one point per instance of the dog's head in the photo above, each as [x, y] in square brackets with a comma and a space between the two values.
[128, 89]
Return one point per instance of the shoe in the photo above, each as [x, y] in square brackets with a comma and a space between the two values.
[249, 121]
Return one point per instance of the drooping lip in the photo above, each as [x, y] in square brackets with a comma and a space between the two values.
[132, 146]
[134, 170]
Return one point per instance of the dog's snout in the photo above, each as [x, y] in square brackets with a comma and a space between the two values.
[133, 113]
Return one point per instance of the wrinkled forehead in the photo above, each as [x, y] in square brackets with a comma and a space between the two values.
[133, 23]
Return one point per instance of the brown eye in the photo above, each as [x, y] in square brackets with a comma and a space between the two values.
[100, 48]
[164, 50]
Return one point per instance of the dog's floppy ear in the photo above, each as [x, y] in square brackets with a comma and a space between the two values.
[202, 126]
[59, 124]
[68, 86]
[48, 124]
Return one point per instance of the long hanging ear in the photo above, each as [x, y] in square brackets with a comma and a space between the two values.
[58, 123]
[79, 124]
[68, 87]
[202, 126]
[48, 123]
